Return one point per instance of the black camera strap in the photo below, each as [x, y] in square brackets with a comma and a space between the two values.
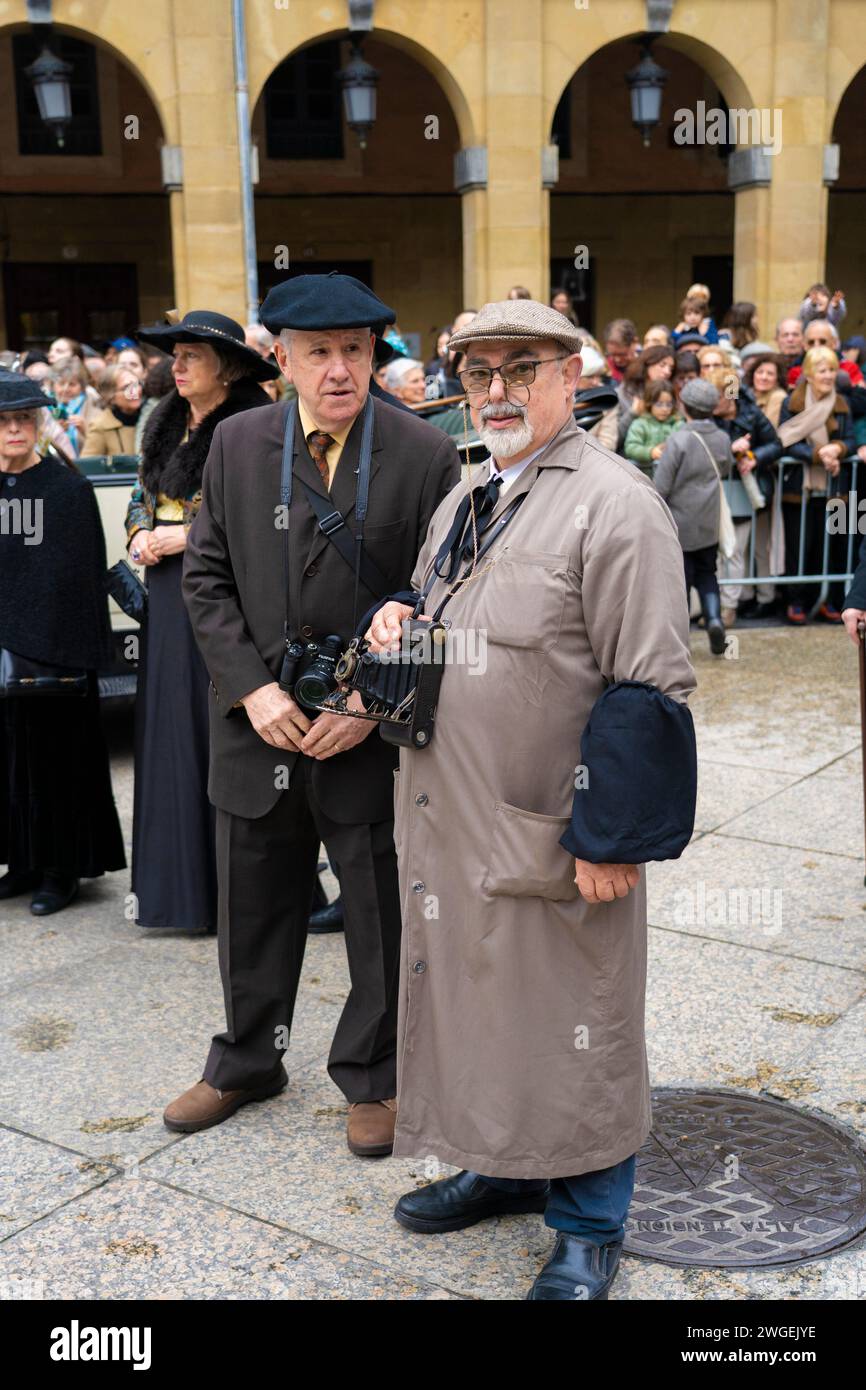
[454, 548]
[331, 522]
[333, 525]
[494, 532]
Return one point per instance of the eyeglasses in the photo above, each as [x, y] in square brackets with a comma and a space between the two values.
[476, 380]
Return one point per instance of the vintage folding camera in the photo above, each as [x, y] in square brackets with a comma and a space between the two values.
[400, 689]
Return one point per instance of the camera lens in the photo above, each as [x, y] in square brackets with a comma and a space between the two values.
[312, 689]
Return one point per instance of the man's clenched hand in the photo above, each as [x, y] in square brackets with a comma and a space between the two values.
[601, 883]
[275, 717]
[386, 628]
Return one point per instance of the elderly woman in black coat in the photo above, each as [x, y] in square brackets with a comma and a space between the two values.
[58, 822]
[173, 857]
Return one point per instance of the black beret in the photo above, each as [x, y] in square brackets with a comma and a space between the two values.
[324, 301]
[18, 392]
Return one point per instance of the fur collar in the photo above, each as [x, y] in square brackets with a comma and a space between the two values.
[174, 468]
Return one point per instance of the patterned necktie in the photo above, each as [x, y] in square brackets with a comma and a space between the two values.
[318, 444]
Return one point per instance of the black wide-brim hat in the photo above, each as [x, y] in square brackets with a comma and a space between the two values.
[18, 392]
[310, 302]
[203, 326]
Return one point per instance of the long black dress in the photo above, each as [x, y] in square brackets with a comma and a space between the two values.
[57, 810]
[173, 837]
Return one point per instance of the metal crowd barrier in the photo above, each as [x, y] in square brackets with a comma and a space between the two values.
[824, 578]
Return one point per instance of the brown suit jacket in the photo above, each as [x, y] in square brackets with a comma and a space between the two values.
[234, 592]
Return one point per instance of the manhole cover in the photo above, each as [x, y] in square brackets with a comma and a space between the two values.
[740, 1181]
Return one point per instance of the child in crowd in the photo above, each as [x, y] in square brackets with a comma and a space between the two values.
[687, 475]
[648, 432]
[820, 303]
[695, 315]
[692, 314]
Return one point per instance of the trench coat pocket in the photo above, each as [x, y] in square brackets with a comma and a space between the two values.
[526, 858]
[522, 603]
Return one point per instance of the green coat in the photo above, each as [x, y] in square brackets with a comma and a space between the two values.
[644, 433]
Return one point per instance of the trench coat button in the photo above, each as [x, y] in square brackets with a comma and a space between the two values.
[418, 887]
[311, 570]
[306, 631]
[421, 799]
[446, 622]
[419, 967]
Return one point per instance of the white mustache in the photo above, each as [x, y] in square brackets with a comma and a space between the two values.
[497, 410]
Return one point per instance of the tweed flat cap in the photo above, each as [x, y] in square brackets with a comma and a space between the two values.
[518, 320]
[699, 397]
[310, 302]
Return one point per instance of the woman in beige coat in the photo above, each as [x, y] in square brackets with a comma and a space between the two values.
[112, 429]
[562, 759]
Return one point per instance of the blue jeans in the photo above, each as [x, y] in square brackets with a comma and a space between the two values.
[592, 1205]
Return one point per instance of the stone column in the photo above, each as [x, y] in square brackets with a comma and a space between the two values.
[749, 175]
[470, 181]
[797, 213]
[515, 231]
[206, 215]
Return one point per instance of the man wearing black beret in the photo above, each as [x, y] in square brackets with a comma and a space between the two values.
[310, 513]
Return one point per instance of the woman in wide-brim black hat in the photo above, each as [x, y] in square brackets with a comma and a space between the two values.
[173, 858]
[58, 822]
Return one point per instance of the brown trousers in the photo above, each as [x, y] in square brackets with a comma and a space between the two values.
[266, 871]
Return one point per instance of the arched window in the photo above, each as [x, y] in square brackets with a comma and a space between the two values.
[303, 116]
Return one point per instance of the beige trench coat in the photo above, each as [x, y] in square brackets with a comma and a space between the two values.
[521, 1014]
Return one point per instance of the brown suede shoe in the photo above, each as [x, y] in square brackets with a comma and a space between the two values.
[202, 1106]
[370, 1131]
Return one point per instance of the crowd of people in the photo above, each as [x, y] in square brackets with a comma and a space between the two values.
[800, 398]
[705, 411]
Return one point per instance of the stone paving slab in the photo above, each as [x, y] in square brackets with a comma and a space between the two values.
[288, 1163]
[722, 1015]
[841, 1276]
[788, 901]
[134, 1239]
[823, 812]
[725, 792]
[788, 704]
[90, 1057]
[37, 1178]
[834, 1062]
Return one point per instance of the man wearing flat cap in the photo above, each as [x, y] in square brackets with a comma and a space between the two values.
[310, 515]
[558, 767]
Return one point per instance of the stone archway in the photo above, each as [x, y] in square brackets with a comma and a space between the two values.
[389, 213]
[846, 259]
[86, 237]
[649, 220]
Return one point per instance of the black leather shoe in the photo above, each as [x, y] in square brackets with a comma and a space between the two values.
[453, 1203]
[53, 894]
[19, 881]
[577, 1271]
[327, 918]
